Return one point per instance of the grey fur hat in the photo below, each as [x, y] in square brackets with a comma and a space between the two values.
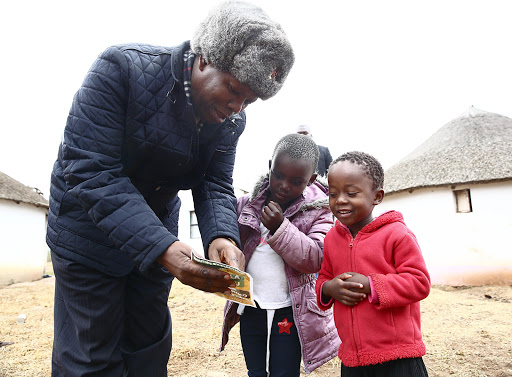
[239, 38]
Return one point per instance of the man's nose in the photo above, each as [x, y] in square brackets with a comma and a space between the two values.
[237, 105]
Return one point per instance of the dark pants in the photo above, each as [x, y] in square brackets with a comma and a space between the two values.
[110, 326]
[285, 350]
[395, 368]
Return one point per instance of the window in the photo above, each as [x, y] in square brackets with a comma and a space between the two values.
[194, 226]
[463, 201]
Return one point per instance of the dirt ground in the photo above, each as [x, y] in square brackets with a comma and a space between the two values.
[467, 331]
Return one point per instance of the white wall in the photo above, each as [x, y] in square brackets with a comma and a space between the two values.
[23, 249]
[187, 205]
[461, 248]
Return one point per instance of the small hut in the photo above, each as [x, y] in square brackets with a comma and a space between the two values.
[454, 192]
[23, 250]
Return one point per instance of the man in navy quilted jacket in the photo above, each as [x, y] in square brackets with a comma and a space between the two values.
[147, 122]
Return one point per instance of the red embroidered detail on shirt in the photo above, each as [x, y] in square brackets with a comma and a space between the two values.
[263, 241]
[284, 326]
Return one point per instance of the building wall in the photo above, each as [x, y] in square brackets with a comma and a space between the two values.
[23, 249]
[460, 248]
[187, 205]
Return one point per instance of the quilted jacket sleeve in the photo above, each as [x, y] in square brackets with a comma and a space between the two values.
[304, 252]
[214, 198]
[93, 168]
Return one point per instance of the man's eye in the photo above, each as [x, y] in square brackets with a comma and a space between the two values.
[351, 194]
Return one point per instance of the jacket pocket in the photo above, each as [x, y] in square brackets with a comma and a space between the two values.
[313, 307]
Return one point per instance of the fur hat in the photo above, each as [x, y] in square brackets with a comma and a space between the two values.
[239, 38]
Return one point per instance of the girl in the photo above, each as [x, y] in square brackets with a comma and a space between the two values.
[381, 335]
[282, 228]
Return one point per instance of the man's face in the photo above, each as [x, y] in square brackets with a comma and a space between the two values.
[217, 95]
[306, 133]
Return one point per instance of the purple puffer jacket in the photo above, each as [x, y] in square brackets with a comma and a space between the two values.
[300, 242]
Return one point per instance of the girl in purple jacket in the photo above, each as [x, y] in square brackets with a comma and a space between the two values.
[282, 228]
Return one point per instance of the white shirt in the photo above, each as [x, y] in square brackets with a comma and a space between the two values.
[266, 267]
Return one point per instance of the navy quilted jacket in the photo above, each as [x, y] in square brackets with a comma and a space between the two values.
[130, 144]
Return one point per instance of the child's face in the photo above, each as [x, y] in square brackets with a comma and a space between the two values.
[289, 178]
[351, 196]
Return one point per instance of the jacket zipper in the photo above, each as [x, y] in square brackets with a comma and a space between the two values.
[351, 244]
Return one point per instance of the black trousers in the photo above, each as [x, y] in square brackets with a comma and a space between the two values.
[110, 326]
[395, 368]
[285, 349]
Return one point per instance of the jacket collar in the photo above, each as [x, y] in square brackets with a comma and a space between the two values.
[384, 219]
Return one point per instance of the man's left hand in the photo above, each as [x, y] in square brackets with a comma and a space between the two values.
[224, 251]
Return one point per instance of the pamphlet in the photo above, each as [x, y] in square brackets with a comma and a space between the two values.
[242, 292]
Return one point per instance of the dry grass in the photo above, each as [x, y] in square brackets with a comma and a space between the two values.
[467, 331]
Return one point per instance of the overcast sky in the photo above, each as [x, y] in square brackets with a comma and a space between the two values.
[377, 76]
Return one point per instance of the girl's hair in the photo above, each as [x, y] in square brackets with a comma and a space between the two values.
[298, 147]
[368, 163]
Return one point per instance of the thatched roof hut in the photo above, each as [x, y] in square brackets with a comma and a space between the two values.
[475, 147]
[11, 189]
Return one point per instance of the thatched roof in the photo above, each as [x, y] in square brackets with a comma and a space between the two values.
[11, 189]
[475, 147]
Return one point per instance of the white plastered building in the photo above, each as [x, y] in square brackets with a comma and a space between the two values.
[454, 191]
[23, 249]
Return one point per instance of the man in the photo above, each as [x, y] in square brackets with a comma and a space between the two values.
[147, 122]
[325, 158]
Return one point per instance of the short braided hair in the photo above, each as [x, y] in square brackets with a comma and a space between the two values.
[368, 163]
[298, 147]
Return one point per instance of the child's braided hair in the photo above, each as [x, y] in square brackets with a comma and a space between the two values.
[368, 163]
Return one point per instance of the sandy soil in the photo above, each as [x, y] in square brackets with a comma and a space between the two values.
[467, 331]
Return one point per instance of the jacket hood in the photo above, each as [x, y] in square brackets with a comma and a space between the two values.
[384, 219]
[315, 194]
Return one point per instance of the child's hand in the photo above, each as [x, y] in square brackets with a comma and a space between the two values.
[362, 279]
[343, 290]
[272, 216]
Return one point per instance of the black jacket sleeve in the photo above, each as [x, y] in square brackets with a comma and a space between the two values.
[93, 169]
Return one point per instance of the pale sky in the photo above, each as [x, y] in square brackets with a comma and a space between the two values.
[376, 76]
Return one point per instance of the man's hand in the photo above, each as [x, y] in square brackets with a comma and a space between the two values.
[224, 251]
[272, 216]
[176, 259]
[342, 290]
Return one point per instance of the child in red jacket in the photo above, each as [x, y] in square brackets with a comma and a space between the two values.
[379, 324]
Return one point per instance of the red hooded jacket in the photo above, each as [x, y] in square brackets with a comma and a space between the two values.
[387, 251]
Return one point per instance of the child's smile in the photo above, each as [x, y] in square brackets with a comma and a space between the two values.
[351, 195]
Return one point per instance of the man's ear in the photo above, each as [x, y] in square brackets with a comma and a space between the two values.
[312, 179]
[379, 195]
[202, 62]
